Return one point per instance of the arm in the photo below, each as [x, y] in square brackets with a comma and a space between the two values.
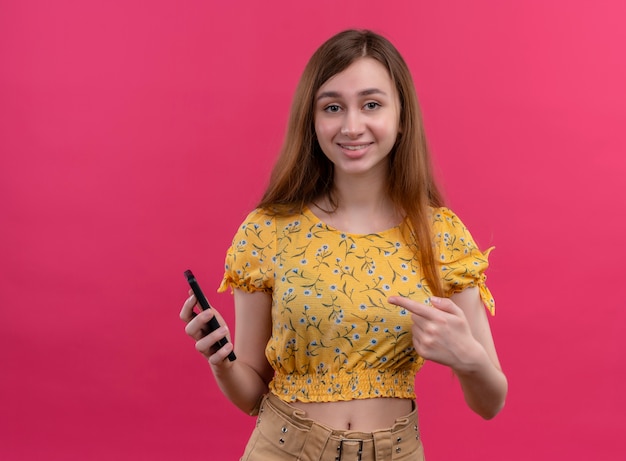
[456, 333]
[245, 380]
[484, 384]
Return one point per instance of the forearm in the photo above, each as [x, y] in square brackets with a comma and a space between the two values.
[484, 385]
[241, 384]
[244, 380]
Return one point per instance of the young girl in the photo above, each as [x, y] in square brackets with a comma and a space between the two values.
[350, 274]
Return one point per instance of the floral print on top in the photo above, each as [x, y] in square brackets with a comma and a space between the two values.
[335, 336]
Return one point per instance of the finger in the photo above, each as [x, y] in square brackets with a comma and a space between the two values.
[444, 304]
[424, 330]
[197, 327]
[414, 307]
[208, 345]
[186, 313]
[221, 355]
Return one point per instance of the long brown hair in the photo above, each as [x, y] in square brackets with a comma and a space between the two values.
[303, 173]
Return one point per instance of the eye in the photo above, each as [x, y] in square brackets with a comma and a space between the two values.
[371, 105]
[333, 108]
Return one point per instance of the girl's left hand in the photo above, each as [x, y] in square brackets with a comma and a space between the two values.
[441, 332]
[455, 332]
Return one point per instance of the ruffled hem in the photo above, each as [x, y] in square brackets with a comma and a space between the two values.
[227, 282]
[241, 284]
[343, 385]
[487, 298]
[485, 294]
[479, 280]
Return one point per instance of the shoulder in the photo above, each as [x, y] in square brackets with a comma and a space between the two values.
[257, 229]
[450, 235]
[257, 221]
[258, 216]
[445, 217]
[250, 258]
[462, 263]
[446, 222]
[264, 217]
[264, 225]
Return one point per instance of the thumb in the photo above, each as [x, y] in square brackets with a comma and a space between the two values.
[443, 304]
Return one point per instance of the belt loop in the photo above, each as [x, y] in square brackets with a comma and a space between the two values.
[316, 441]
[382, 445]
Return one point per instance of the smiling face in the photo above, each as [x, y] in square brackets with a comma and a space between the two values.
[357, 114]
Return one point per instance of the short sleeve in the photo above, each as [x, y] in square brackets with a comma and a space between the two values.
[249, 263]
[462, 264]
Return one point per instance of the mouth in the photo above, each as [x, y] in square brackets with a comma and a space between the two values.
[354, 147]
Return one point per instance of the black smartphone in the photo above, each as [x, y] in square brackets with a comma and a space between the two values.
[204, 304]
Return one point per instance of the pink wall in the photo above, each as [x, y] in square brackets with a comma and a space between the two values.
[135, 135]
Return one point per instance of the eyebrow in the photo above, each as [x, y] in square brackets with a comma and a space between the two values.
[336, 94]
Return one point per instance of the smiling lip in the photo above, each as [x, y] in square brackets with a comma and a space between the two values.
[354, 147]
[355, 151]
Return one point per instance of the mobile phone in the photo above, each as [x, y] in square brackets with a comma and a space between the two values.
[204, 304]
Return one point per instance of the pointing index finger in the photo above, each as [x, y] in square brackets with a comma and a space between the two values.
[422, 310]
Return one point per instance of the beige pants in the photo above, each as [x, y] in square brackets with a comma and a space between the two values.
[283, 434]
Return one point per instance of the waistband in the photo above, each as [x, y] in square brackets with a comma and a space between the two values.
[287, 428]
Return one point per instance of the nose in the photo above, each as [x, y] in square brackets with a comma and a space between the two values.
[352, 125]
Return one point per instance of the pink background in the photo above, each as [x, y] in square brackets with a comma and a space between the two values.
[136, 135]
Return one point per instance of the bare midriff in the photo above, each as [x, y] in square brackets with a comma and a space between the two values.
[363, 415]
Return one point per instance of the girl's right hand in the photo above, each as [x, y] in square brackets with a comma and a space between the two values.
[206, 343]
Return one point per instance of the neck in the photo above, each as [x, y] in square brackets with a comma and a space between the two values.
[365, 190]
[360, 196]
[363, 206]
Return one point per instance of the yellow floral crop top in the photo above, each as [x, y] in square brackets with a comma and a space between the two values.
[335, 336]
